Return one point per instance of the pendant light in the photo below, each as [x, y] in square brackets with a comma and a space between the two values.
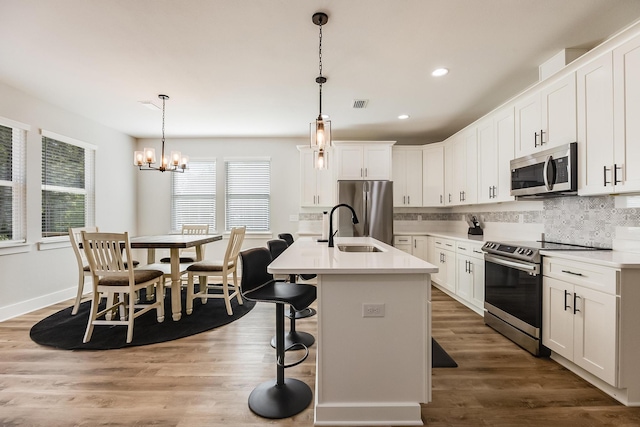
[320, 129]
[145, 159]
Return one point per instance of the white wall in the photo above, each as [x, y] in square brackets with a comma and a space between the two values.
[154, 188]
[38, 278]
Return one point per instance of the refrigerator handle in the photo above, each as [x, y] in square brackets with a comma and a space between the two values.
[365, 199]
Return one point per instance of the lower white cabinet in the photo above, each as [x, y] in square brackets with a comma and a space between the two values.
[470, 273]
[414, 245]
[580, 315]
[442, 253]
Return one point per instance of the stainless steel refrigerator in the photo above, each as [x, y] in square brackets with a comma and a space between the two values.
[373, 203]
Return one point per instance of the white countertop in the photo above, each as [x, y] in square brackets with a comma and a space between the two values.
[307, 256]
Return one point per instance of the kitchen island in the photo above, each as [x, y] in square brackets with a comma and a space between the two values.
[373, 363]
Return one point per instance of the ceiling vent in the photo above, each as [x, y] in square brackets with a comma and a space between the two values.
[360, 103]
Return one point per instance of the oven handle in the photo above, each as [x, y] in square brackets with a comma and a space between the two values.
[532, 269]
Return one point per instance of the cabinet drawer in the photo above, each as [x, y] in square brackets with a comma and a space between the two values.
[592, 276]
[473, 250]
[402, 240]
[446, 244]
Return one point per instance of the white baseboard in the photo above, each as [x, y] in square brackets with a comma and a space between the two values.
[24, 307]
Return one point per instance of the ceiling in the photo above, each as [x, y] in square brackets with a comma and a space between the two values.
[247, 68]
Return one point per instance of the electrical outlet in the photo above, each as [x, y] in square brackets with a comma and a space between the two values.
[419, 217]
[373, 310]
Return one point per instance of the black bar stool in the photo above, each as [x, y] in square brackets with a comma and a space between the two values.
[293, 338]
[286, 396]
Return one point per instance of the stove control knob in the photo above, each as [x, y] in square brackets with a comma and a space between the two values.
[529, 252]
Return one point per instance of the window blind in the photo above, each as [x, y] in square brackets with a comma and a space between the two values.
[68, 198]
[247, 195]
[12, 182]
[193, 195]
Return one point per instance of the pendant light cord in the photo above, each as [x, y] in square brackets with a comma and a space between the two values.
[320, 67]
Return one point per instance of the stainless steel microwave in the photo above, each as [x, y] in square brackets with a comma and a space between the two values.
[551, 172]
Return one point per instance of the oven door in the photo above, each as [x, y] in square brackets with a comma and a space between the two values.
[514, 288]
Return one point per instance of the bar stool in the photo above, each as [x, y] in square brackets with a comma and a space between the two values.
[293, 338]
[286, 396]
[307, 312]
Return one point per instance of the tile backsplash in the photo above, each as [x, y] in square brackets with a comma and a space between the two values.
[582, 220]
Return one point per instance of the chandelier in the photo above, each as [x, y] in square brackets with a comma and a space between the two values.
[320, 129]
[145, 159]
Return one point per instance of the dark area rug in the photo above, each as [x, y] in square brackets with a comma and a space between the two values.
[440, 358]
[64, 331]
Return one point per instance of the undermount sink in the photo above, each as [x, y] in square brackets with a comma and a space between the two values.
[358, 248]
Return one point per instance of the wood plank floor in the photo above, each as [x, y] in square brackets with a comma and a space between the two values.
[205, 380]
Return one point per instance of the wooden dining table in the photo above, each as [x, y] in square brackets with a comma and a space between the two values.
[173, 242]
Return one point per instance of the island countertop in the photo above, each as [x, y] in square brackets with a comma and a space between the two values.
[308, 256]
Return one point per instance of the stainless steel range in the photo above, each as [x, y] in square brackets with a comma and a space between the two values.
[513, 290]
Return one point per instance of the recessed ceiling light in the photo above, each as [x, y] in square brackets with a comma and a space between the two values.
[403, 116]
[439, 72]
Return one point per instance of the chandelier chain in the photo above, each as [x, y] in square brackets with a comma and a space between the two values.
[320, 52]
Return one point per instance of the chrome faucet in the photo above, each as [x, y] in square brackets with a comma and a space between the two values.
[354, 218]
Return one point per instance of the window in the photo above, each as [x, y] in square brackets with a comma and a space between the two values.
[248, 186]
[13, 138]
[68, 198]
[193, 195]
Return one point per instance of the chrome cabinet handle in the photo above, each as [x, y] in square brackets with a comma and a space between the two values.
[441, 199]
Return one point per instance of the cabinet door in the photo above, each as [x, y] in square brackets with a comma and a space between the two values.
[350, 162]
[595, 333]
[464, 278]
[504, 134]
[450, 197]
[626, 69]
[420, 247]
[377, 162]
[559, 112]
[595, 126]
[477, 288]
[308, 194]
[527, 119]
[449, 265]
[325, 187]
[487, 162]
[557, 316]
[433, 175]
[413, 168]
[470, 182]
[404, 243]
[399, 178]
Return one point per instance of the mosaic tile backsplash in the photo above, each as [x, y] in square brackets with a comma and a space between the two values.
[590, 221]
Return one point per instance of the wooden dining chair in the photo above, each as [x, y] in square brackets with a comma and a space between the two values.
[114, 276]
[189, 254]
[206, 269]
[75, 237]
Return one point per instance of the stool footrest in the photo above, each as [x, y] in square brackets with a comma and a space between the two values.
[297, 362]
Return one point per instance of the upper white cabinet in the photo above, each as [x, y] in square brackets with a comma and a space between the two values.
[496, 135]
[626, 124]
[463, 163]
[608, 128]
[546, 118]
[433, 175]
[407, 176]
[363, 160]
[317, 187]
[595, 127]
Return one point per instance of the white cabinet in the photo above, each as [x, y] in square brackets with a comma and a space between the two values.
[407, 176]
[595, 127]
[363, 160]
[496, 135]
[317, 187]
[414, 245]
[626, 98]
[580, 315]
[461, 168]
[443, 255]
[433, 175]
[470, 273]
[547, 117]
